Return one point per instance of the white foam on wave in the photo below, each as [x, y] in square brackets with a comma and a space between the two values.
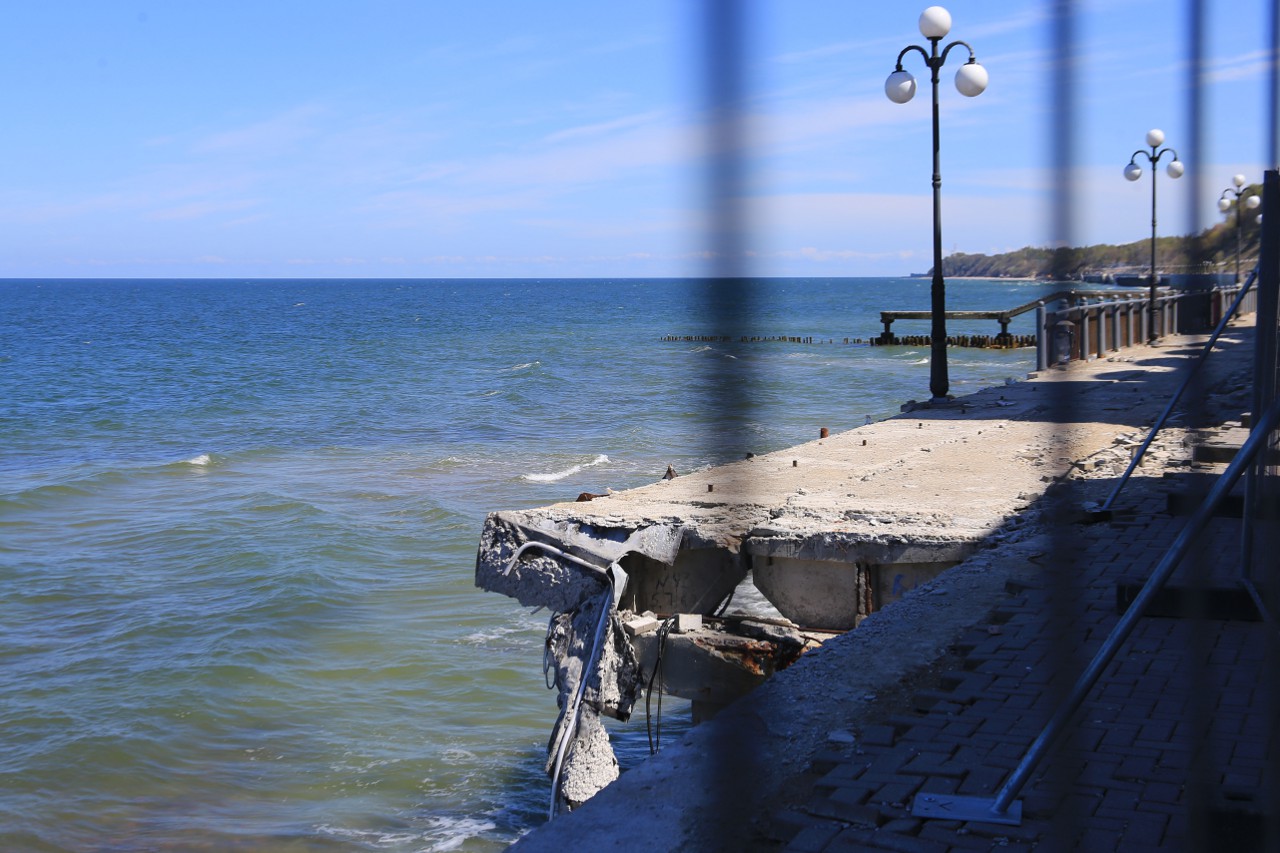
[498, 634]
[557, 476]
[440, 834]
[202, 461]
[525, 366]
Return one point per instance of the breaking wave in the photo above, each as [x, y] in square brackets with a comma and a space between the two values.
[556, 476]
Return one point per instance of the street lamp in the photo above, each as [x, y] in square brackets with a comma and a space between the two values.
[1225, 203]
[1132, 172]
[971, 80]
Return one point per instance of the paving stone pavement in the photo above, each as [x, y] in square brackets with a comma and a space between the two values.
[1125, 774]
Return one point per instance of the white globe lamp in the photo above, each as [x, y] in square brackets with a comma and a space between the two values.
[935, 22]
[900, 87]
[971, 79]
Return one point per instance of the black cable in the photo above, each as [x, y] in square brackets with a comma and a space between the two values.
[548, 664]
[663, 631]
[724, 605]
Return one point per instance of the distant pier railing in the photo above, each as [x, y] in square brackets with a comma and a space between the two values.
[1069, 324]
[1004, 318]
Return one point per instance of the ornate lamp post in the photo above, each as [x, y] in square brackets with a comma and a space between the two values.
[971, 80]
[1132, 172]
[1230, 196]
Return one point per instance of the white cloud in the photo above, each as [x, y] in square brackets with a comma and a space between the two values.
[274, 135]
[606, 127]
[1249, 66]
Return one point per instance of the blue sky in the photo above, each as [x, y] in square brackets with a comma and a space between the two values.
[413, 138]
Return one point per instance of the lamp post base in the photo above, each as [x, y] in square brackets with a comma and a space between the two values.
[933, 403]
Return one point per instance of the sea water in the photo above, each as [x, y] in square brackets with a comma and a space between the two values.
[238, 525]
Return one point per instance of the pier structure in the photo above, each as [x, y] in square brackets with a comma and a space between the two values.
[1069, 324]
[831, 532]
[935, 696]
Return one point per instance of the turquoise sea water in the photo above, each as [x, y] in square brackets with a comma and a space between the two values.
[238, 523]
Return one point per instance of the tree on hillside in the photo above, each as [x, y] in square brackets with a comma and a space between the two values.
[1214, 247]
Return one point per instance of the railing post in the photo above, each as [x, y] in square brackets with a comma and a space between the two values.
[1084, 333]
[1042, 338]
[1100, 324]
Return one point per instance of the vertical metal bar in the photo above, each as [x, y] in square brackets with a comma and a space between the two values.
[1273, 99]
[1265, 353]
[1199, 712]
[1272, 594]
[729, 295]
[1064, 620]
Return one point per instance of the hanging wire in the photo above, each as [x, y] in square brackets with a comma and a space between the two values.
[650, 721]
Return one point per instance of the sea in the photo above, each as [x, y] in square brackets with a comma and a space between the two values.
[239, 520]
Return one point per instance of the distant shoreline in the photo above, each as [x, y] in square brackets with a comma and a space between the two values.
[979, 277]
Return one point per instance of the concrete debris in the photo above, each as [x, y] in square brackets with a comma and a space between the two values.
[540, 580]
[687, 622]
[643, 624]
[590, 765]
[611, 689]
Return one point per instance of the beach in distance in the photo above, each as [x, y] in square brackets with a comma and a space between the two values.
[239, 519]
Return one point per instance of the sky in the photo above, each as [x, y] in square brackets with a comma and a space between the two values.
[424, 139]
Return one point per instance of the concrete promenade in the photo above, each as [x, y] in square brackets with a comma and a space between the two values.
[943, 691]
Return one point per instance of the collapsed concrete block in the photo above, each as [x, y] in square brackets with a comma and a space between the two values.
[686, 622]
[638, 625]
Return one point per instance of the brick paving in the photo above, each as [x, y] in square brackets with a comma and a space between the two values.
[1124, 776]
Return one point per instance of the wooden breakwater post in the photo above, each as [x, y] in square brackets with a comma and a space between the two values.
[759, 339]
[1002, 341]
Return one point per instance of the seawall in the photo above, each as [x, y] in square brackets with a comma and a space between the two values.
[960, 487]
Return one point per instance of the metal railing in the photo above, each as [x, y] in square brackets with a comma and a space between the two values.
[1088, 327]
[1227, 316]
[1000, 809]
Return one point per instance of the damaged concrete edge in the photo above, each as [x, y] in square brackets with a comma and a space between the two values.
[542, 576]
[850, 548]
[538, 580]
[704, 790]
